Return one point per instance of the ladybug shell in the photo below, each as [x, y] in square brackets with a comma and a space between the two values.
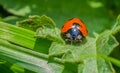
[68, 25]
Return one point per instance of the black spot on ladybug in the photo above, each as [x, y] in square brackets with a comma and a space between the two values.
[76, 24]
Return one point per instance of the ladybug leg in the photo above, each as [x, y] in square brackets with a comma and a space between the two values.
[79, 38]
[68, 37]
[67, 40]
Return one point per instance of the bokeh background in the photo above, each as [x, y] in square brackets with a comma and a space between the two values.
[98, 15]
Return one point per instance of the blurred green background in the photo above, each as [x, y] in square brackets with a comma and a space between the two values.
[98, 15]
[93, 13]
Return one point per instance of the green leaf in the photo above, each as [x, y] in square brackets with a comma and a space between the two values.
[17, 69]
[102, 44]
[116, 27]
[57, 49]
[21, 56]
[43, 25]
[88, 54]
[85, 58]
[105, 43]
[22, 37]
[17, 35]
[34, 22]
[50, 34]
[27, 58]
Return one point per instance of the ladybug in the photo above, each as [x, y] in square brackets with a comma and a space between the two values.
[74, 30]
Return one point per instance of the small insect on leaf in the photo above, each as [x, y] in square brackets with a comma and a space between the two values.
[74, 30]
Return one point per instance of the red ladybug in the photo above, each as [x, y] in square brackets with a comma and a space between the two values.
[74, 30]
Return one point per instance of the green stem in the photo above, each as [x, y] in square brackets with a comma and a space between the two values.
[111, 59]
[117, 23]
